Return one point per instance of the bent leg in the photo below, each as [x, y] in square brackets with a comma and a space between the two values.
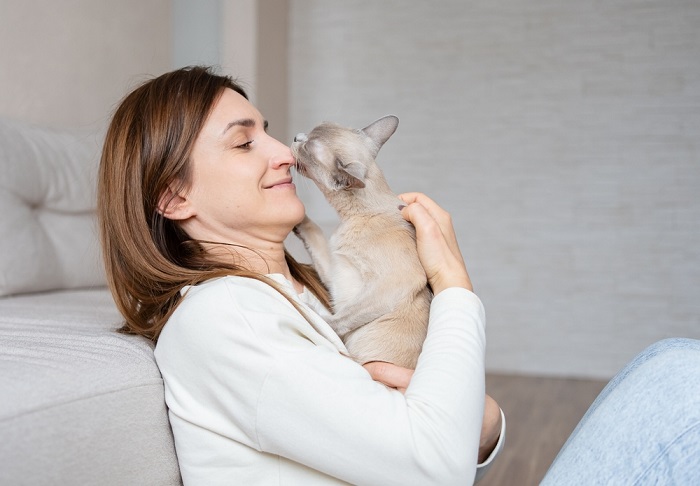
[644, 427]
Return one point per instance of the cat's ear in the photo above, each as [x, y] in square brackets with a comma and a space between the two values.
[351, 175]
[381, 130]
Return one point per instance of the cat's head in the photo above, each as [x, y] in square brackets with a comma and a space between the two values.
[338, 158]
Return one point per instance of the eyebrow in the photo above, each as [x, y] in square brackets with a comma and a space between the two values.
[243, 122]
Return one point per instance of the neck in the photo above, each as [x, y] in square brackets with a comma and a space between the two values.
[259, 259]
[375, 198]
[261, 251]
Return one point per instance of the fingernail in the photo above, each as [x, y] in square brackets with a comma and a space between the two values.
[401, 206]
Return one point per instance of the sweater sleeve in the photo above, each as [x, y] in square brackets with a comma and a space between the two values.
[323, 410]
[242, 366]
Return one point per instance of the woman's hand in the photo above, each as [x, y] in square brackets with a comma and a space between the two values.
[397, 377]
[490, 428]
[437, 244]
[389, 374]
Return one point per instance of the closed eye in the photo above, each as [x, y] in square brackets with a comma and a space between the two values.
[245, 146]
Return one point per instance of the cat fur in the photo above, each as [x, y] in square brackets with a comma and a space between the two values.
[370, 265]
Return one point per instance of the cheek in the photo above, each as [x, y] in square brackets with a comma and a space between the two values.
[236, 180]
[223, 191]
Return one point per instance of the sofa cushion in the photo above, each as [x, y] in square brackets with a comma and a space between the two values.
[47, 209]
[81, 403]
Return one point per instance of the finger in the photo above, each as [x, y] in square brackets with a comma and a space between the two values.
[389, 374]
[419, 197]
[436, 211]
[427, 226]
[409, 197]
[440, 257]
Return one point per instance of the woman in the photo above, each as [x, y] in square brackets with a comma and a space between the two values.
[195, 201]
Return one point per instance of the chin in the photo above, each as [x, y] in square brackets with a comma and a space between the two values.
[301, 214]
[294, 212]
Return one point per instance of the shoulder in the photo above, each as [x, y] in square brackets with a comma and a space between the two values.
[232, 285]
[238, 311]
[231, 294]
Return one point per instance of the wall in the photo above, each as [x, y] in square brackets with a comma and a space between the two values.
[243, 38]
[562, 136]
[68, 62]
[197, 29]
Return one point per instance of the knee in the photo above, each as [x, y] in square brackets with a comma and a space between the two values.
[670, 358]
[672, 346]
[675, 359]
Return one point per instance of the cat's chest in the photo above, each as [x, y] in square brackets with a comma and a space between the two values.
[362, 226]
[371, 234]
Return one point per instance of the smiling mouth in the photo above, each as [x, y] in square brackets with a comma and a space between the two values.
[283, 183]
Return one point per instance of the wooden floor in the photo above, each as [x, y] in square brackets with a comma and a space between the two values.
[540, 414]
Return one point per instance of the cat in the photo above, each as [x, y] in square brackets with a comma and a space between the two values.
[378, 287]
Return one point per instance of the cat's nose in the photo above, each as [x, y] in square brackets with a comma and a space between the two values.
[301, 137]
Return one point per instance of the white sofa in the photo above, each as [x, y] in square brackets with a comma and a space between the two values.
[79, 402]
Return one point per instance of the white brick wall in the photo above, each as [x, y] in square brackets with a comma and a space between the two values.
[563, 136]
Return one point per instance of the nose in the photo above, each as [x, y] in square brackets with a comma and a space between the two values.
[301, 137]
[281, 155]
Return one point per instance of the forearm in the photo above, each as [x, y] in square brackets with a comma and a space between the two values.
[377, 435]
[450, 372]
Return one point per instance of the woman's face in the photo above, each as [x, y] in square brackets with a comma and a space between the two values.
[241, 186]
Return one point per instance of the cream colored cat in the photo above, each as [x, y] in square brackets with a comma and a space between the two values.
[378, 287]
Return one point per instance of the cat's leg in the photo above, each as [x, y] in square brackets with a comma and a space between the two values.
[351, 318]
[357, 299]
[316, 244]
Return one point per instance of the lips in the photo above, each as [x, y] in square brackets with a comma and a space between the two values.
[281, 182]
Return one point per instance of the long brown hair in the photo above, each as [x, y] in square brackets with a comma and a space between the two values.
[149, 258]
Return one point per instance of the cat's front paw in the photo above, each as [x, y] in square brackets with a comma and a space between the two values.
[311, 235]
[306, 229]
[299, 228]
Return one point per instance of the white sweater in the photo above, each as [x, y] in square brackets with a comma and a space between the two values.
[257, 395]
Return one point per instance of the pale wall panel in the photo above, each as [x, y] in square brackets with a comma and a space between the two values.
[196, 29]
[563, 137]
[68, 62]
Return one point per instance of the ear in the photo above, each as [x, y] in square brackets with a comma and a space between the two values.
[381, 130]
[352, 175]
[172, 205]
